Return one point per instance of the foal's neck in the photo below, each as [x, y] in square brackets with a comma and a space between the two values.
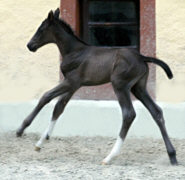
[67, 42]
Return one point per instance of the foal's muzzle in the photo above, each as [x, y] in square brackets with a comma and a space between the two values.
[31, 47]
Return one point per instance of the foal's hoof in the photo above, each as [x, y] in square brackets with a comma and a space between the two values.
[37, 148]
[173, 161]
[104, 162]
[19, 133]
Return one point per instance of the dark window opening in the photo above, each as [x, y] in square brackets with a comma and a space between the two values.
[110, 22]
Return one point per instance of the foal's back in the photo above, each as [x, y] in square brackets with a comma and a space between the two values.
[99, 63]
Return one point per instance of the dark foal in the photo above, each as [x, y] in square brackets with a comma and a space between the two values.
[85, 65]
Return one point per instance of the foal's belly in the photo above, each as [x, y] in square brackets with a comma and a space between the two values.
[95, 80]
[96, 72]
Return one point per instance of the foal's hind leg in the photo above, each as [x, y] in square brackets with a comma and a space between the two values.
[128, 114]
[59, 108]
[139, 90]
[46, 98]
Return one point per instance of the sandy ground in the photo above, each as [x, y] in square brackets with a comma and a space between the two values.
[80, 158]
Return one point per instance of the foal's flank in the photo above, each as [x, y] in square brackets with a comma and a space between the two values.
[86, 65]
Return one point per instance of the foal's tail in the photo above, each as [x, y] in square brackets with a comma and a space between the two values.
[160, 63]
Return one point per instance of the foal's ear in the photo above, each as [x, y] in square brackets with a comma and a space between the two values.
[50, 16]
[56, 13]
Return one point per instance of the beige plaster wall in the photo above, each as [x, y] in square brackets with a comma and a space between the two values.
[170, 33]
[25, 75]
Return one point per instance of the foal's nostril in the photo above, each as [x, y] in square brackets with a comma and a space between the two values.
[31, 47]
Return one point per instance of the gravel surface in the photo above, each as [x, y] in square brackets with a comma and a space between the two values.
[74, 158]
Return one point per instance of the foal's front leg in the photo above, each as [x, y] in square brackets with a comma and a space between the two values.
[46, 98]
[59, 108]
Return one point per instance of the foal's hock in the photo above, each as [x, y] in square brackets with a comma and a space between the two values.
[86, 65]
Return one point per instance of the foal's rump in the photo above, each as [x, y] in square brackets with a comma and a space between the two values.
[136, 57]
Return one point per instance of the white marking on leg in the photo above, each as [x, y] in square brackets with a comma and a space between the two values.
[51, 127]
[46, 133]
[115, 150]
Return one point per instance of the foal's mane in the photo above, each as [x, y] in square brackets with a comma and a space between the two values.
[69, 30]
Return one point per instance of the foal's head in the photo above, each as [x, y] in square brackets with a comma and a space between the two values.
[44, 33]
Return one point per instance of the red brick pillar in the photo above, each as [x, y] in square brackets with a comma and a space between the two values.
[69, 11]
[148, 38]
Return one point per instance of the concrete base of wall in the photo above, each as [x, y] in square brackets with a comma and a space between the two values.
[92, 118]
